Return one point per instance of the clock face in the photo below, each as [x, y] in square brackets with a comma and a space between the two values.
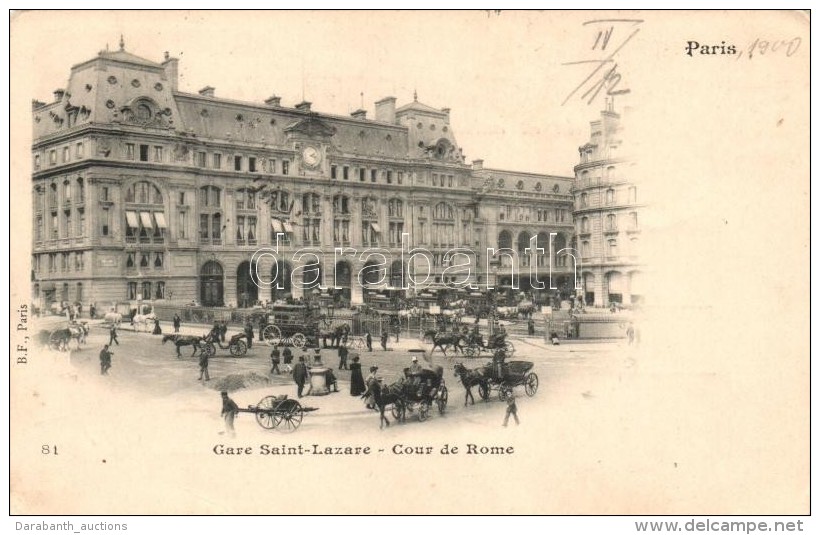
[311, 156]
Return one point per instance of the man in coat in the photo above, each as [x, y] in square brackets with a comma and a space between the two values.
[177, 322]
[249, 333]
[203, 366]
[229, 411]
[300, 375]
[369, 340]
[113, 335]
[105, 360]
[342, 357]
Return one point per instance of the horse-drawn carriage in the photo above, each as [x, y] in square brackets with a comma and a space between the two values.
[497, 375]
[297, 325]
[414, 392]
[237, 345]
[504, 376]
[58, 339]
[475, 345]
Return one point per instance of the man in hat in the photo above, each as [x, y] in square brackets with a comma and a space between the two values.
[203, 366]
[274, 360]
[229, 411]
[384, 340]
[369, 340]
[113, 335]
[342, 357]
[105, 360]
[415, 367]
[300, 375]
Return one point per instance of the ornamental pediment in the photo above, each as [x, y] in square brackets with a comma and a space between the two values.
[310, 127]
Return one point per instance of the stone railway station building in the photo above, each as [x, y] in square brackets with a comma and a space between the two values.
[144, 192]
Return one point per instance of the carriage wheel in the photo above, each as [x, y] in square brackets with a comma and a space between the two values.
[291, 416]
[484, 391]
[398, 411]
[239, 348]
[442, 400]
[266, 418]
[471, 351]
[272, 335]
[299, 340]
[424, 410]
[210, 350]
[531, 384]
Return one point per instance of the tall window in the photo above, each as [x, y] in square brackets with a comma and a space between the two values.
[105, 221]
[182, 231]
[341, 220]
[210, 215]
[217, 161]
[199, 158]
[373, 174]
[311, 219]
[395, 208]
[245, 199]
[585, 250]
[584, 224]
[611, 222]
[237, 163]
[144, 153]
[396, 229]
[362, 173]
[345, 172]
[584, 200]
[78, 151]
[285, 167]
[157, 153]
[252, 164]
[633, 194]
[633, 220]
[81, 222]
[144, 214]
[370, 223]
[610, 196]
[38, 228]
[80, 190]
[444, 226]
[333, 172]
[281, 202]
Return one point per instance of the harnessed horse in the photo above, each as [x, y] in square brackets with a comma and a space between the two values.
[469, 378]
[443, 340]
[180, 340]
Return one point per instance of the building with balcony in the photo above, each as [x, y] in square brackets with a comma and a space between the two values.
[145, 192]
[607, 215]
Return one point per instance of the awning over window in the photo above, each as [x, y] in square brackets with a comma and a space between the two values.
[159, 217]
[288, 227]
[145, 217]
[276, 225]
[375, 227]
[131, 218]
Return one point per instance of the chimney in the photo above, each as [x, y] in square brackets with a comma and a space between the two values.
[303, 106]
[36, 104]
[58, 94]
[386, 110]
[478, 164]
[273, 101]
[171, 66]
[207, 91]
[359, 114]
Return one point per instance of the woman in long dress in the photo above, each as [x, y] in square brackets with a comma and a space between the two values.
[356, 378]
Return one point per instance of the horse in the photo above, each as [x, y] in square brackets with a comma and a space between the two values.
[180, 340]
[384, 396]
[339, 335]
[443, 340]
[113, 317]
[143, 322]
[470, 378]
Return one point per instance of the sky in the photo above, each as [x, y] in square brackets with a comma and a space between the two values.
[502, 74]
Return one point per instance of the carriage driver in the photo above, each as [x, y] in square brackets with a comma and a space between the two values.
[415, 366]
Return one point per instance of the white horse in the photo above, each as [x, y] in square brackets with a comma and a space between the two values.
[113, 317]
[144, 322]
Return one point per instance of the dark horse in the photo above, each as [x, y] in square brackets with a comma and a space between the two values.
[383, 396]
[339, 335]
[470, 378]
[180, 340]
[443, 340]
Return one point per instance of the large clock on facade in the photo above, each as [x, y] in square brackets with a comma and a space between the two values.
[311, 157]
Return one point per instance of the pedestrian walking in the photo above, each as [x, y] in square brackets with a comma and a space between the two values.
[92, 310]
[157, 328]
[369, 340]
[105, 360]
[300, 375]
[274, 360]
[113, 335]
[203, 366]
[384, 340]
[356, 379]
[370, 400]
[249, 333]
[229, 411]
[630, 334]
[530, 327]
[343, 357]
[223, 330]
[287, 358]
[177, 322]
[512, 408]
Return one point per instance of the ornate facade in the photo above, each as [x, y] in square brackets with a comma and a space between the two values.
[144, 192]
[607, 215]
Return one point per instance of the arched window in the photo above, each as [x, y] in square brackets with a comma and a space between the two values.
[443, 211]
[341, 219]
[444, 228]
[280, 201]
[610, 196]
[143, 193]
[585, 250]
[610, 172]
[584, 200]
[341, 205]
[584, 224]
